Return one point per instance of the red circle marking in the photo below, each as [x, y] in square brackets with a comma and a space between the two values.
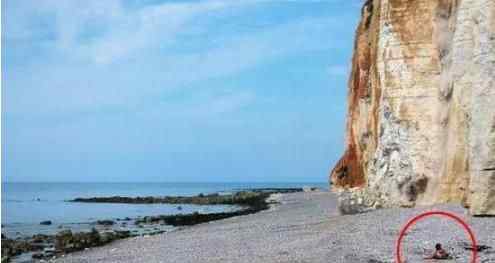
[432, 213]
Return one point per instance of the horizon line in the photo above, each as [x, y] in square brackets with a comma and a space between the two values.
[171, 182]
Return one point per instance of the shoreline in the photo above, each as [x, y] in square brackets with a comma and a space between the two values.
[303, 227]
[42, 246]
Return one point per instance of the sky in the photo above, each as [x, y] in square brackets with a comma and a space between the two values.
[174, 91]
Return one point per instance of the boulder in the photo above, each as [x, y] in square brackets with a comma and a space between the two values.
[40, 238]
[66, 241]
[106, 222]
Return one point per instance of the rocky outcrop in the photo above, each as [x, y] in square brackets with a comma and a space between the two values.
[421, 105]
[46, 223]
[45, 247]
[66, 241]
[250, 197]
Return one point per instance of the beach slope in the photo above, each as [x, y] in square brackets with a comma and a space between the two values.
[302, 227]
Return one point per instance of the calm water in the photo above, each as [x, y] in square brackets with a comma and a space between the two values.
[25, 205]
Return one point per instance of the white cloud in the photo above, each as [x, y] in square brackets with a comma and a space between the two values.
[145, 28]
[93, 75]
[68, 87]
[244, 51]
[120, 30]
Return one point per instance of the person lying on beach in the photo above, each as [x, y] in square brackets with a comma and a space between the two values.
[439, 253]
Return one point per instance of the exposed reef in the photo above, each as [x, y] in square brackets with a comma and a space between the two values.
[244, 198]
[249, 201]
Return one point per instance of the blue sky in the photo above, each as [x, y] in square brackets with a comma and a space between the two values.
[174, 90]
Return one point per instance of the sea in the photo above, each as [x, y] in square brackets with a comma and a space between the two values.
[25, 205]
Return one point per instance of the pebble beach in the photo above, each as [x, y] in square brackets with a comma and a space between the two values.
[305, 227]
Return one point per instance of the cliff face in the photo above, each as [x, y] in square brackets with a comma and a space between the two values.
[421, 116]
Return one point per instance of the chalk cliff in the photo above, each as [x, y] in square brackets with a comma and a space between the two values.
[421, 106]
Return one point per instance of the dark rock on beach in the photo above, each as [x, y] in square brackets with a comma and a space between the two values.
[41, 238]
[252, 202]
[106, 222]
[38, 255]
[66, 241]
[14, 247]
[238, 198]
[48, 246]
[479, 248]
[191, 219]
